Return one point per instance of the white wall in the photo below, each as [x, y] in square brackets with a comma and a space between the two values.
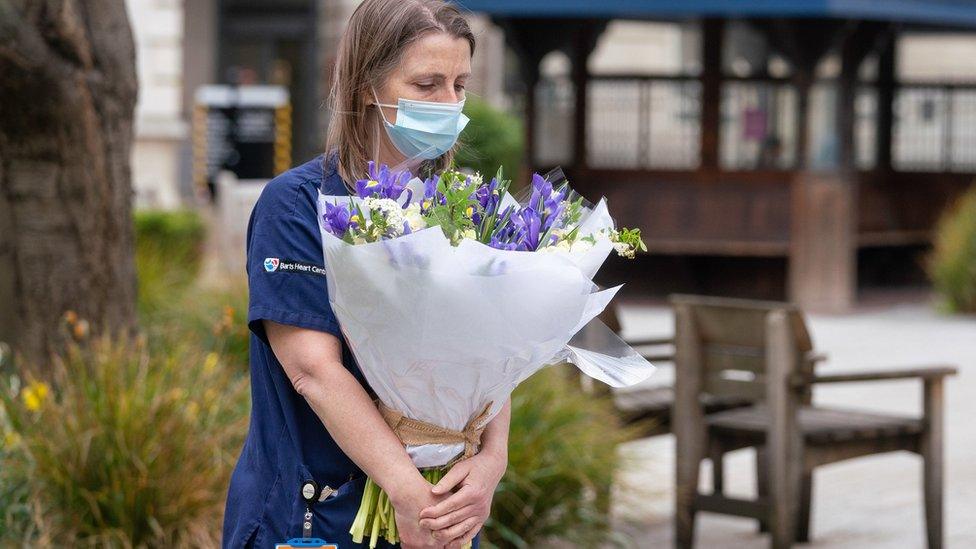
[160, 129]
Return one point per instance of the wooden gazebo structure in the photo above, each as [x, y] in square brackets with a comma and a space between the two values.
[810, 219]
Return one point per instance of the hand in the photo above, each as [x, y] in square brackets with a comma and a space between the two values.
[408, 501]
[457, 519]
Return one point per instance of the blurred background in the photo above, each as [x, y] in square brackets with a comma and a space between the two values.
[820, 154]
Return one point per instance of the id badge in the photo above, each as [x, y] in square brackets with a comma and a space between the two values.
[296, 543]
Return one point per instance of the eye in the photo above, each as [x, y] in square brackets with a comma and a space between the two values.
[425, 86]
[459, 86]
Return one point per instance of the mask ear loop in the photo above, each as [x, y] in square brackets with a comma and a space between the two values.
[381, 105]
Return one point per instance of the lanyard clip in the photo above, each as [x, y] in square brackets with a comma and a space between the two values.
[310, 492]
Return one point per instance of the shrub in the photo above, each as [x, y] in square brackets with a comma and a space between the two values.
[175, 304]
[210, 316]
[493, 138]
[562, 462]
[117, 446]
[952, 265]
[168, 252]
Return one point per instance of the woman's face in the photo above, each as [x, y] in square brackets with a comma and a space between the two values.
[434, 68]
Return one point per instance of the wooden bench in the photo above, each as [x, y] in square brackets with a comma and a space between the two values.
[761, 352]
[651, 405]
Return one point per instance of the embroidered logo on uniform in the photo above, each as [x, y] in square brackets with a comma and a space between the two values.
[273, 264]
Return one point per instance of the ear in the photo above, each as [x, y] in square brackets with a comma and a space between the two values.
[370, 96]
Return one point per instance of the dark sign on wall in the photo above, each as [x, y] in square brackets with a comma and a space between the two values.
[243, 129]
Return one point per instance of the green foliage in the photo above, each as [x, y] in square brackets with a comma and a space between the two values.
[210, 316]
[562, 462]
[169, 248]
[493, 138]
[175, 305]
[453, 216]
[952, 265]
[120, 447]
[134, 448]
[14, 505]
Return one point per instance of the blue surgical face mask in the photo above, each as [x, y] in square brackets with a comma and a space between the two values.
[424, 129]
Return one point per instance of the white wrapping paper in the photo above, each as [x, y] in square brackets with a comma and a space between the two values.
[440, 331]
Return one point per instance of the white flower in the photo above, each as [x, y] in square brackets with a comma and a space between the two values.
[390, 211]
[582, 246]
[414, 218]
[469, 234]
[476, 179]
[562, 246]
[624, 249]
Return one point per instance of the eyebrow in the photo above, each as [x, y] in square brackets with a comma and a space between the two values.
[440, 76]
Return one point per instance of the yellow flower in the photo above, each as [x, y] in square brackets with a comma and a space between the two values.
[192, 410]
[354, 219]
[34, 395]
[470, 211]
[11, 439]
[210, 363]
[80, 330]
[176, 393]
[372, 183]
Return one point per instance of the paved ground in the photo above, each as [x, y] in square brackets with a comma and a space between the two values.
[872, 502]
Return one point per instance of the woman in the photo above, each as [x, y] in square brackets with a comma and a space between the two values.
[314, 427]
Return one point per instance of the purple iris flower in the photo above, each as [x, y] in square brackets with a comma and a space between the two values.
[337, 219]
[499, 244]
[431, 193]
[532, 222]
[487, 198]
[387, 184]
[548, 203]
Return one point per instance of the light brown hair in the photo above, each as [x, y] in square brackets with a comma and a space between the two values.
[373, 44]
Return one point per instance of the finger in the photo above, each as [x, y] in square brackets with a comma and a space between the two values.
[454, 476]
[466, 537]
[465, 496]
[457, 529]
[449, 519]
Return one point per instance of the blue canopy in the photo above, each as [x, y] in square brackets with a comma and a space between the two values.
[956, 13]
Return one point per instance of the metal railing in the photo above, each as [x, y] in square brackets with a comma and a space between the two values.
[654, 123]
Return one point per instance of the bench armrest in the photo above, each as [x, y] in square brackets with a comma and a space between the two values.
[661, 357]
[648, 341]
[926, 373]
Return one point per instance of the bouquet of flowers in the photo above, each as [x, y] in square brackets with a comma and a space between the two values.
[451, 291]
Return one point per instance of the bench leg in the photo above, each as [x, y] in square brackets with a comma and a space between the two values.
[762, 482]
[686, 488]
[803, 515]
[932, 444]
[716, 456]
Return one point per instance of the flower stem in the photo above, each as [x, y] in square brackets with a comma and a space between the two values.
[376, 517]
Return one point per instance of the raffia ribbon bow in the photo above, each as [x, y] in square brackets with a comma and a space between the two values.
[414, 432]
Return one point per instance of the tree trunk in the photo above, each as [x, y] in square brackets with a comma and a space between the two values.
[67, 94]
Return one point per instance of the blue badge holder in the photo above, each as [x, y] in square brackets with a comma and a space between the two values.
[296, 543]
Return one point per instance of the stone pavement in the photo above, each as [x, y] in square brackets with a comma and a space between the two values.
[871, 503]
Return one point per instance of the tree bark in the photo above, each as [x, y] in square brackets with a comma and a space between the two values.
[68, 89]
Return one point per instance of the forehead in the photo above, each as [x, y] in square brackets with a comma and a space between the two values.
[437, 53]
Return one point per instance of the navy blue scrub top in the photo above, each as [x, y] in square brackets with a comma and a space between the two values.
[287, 443]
